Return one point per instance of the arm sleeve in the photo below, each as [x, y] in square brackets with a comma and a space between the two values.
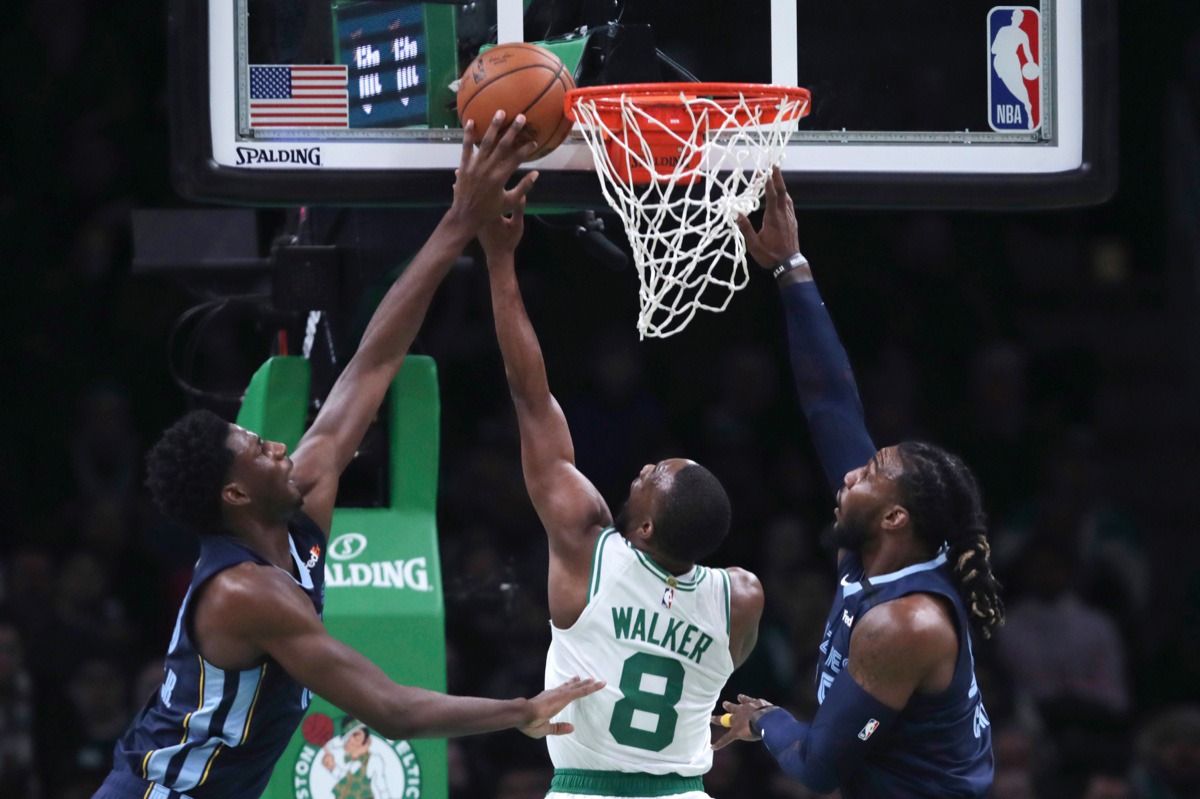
[822, 753]
[825, 383]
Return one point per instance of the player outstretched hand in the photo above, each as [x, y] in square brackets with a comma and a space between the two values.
[501, 236]
[487, 164]
[739, 720]
[549, 704]
[779, 237]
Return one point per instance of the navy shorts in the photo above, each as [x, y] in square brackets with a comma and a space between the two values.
[123, 785]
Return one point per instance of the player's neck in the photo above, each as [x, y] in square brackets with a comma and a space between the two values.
[667, 564]
[268, 539]
[887, 555]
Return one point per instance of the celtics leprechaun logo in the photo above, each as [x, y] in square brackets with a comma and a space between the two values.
[357, 764]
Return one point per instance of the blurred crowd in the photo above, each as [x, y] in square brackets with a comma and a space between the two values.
[992, 336]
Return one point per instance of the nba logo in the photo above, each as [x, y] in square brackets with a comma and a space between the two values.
[1014, 68]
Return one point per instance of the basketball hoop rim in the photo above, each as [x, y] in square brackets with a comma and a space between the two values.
[674, 95]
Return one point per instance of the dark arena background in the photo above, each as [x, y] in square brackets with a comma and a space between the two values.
[1057, 351]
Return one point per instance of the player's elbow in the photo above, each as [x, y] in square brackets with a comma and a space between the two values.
[816, 779]
[812, 772]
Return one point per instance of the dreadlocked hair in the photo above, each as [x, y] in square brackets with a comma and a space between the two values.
[943, 500]
[186, 468]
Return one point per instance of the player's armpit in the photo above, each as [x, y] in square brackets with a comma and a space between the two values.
[902, 646]
[746, 608]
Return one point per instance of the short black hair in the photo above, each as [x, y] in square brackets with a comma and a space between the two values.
[186, 469]
[695, 514]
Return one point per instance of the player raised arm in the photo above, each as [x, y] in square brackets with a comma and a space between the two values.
[570, 507]
[824, 379]
[479, 197]
[258, 609]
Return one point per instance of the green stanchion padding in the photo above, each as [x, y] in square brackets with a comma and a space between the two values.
[383, 582]
[276, 403]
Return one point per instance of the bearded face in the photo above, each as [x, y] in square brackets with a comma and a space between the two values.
[847, 534]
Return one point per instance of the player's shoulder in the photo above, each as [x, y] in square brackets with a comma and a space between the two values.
[744, 584]
[746, 595]
[250, 593]
[915, 626]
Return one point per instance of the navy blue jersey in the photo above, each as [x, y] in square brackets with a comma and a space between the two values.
[209, 732]
[941, 744]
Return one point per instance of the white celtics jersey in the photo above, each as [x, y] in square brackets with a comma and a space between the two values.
[662, 645]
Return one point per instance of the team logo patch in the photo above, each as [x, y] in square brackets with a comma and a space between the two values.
[869, 730]
[1014, 68]
[357, 764]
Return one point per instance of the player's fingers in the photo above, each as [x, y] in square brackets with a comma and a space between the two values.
[724, 741]
[517, 193]
[748, 231]
[469, 134]
[492, 135]
[730, 706]
[586, 687]
[770, 200]
[508, 141]
[525, 151]
[560, 728]
[778, 181]
[716, 721]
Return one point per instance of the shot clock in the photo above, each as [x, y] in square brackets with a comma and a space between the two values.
[400, 57]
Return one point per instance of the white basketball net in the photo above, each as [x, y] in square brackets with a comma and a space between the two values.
[688, 250]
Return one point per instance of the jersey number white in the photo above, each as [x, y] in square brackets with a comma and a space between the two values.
[645, 716]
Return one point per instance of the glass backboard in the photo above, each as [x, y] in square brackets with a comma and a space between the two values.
[916, 103]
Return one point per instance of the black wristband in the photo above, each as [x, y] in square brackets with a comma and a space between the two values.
[788, 264]
[753, 721]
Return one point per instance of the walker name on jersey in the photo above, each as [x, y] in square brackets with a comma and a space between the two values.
[674, 635]
[412, 574]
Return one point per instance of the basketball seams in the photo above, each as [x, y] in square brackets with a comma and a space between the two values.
[547, 88]
[479, 89]
[550, 59]
[542, 96]
[554, 137]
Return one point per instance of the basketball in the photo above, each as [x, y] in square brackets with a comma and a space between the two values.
[1031, 71]
[317, 729]
[518, 78]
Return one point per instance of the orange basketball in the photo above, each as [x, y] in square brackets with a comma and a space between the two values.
[519, 78]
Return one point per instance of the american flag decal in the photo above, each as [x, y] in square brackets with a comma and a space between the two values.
[299, 96]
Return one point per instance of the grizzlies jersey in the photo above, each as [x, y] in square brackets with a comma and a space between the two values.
[662, 645]
[209, 732]
[941, 744]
